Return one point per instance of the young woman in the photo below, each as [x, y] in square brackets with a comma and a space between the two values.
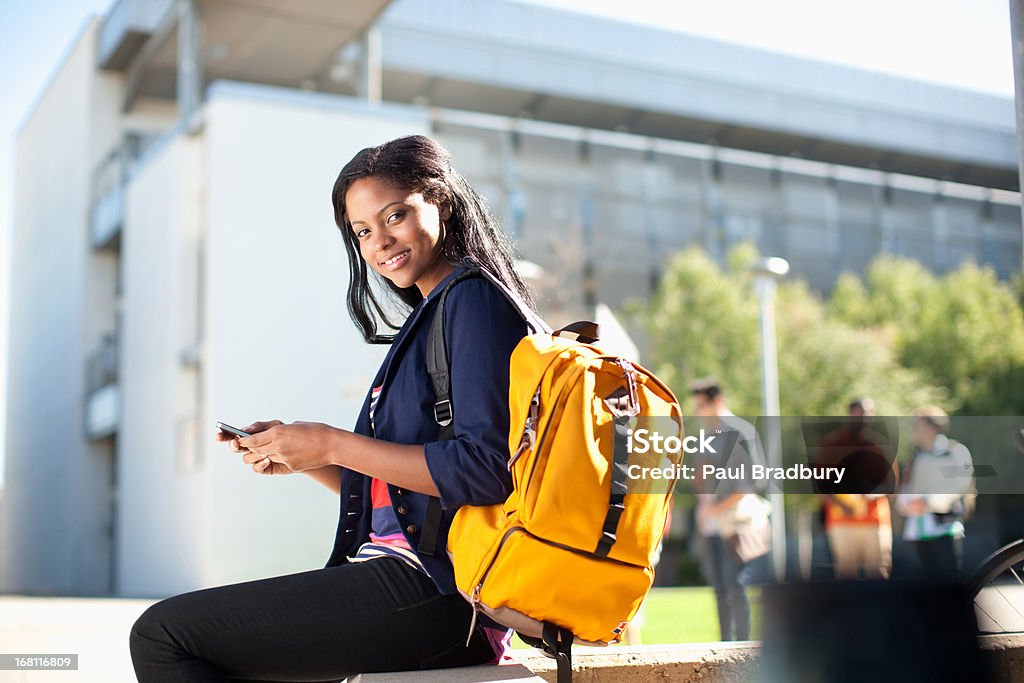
[387, 599]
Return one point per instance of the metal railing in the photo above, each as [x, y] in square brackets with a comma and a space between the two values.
[108, 178]
[101, 365]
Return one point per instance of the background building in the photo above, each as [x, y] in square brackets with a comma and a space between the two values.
[174, 259]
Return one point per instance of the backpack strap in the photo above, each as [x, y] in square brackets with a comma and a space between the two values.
[437, 361]
[621, 403]
[440, 379]
[437, 367]
[555, 642]
[560, 641]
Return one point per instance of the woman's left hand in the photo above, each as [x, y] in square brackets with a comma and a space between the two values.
[298, 446]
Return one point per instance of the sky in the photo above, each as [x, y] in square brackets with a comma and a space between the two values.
[963, 43]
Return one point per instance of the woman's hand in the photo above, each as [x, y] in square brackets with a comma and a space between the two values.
[285, 448]
[261, 465]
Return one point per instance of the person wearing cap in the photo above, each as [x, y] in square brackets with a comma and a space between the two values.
[719, 503]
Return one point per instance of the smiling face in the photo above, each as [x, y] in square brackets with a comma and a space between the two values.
[399, 233]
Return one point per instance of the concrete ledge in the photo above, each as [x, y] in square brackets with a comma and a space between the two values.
[1004, 656]
[723, 662]
[689, 663]
[466, 674]
[705, 662]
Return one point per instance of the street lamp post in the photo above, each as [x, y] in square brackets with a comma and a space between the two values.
[766, 273]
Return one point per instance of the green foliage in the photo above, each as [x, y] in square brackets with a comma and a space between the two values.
[824, 362]
[702, 322]
[705, 321]
[963, 331]
[898, 288]
[850, 302]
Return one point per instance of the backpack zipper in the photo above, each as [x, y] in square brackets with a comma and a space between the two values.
[475, 601]
[475, 598]
[569, 383]
[630, 372]
[530, 430]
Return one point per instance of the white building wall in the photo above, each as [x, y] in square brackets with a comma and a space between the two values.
[53, 533]
[160, 505]
[252, 191]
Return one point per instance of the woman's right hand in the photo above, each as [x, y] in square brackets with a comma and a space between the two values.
[264, 465]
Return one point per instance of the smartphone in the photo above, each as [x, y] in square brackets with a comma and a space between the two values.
[233, 431]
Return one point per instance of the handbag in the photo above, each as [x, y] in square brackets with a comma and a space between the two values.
[746, 530]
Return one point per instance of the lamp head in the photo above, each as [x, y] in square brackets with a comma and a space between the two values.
[773, 267]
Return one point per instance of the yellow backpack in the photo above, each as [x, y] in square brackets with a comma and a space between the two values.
[568, 556]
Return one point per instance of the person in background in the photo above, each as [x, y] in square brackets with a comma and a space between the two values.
[718, 502]
[936, 495]
[858, 523]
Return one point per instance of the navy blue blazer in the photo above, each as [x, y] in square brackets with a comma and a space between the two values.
[481, 330]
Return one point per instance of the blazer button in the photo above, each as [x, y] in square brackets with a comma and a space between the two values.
[402, 510]
[411, 528]
[399, 492]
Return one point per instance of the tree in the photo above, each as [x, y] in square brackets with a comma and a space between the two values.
[703, 320]
[824, 362]
[964, 331]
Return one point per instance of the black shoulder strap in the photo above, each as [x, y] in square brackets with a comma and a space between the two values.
[437, 360]
[437, 367]
[440, 379]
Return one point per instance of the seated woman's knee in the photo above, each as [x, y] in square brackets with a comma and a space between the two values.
[156, 622]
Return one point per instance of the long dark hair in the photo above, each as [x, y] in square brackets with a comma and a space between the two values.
[417, 163]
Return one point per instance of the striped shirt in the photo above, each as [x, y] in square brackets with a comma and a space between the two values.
[386, 537]
[387, 540]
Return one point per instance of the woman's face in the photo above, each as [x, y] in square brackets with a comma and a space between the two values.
[399, 233]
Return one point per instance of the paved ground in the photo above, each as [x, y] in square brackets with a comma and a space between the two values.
[96, 629]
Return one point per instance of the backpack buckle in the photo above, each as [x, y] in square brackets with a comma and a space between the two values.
[443, 412]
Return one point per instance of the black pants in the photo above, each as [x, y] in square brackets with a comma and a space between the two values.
[321, 625]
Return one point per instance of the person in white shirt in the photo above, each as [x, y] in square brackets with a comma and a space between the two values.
[935, 494]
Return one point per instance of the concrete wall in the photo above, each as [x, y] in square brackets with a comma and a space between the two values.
[55, 538]
[249, 199]
[525, 48]
[161, 507]
[629, 203]
[57, 527]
